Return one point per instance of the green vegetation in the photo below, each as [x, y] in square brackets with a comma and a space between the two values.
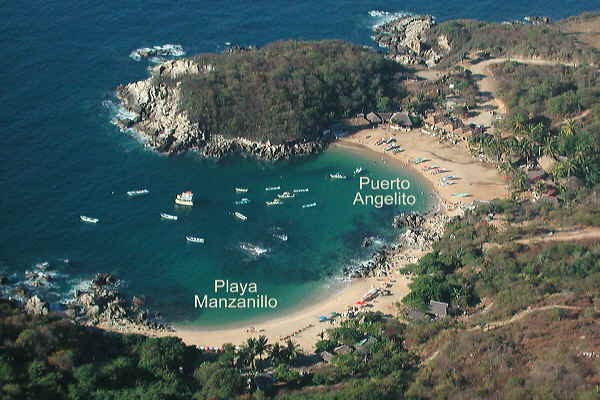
[518, 40]
[287, 91]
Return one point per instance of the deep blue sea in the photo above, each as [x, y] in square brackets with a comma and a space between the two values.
[61, 157]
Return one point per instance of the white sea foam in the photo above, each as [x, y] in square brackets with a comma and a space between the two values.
[157, 54]
[383, 17]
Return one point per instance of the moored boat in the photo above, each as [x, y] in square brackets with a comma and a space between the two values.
[194, 239]
[90, 220]
[168, 216]
[240, 216]
[270, 188]
[358, 170]
[242, 201]
[309, 205]
[275, 202]
[461, 194]
[241, 190]
[337, 175]
[300, 190]
[253, 249]
[281, 236]
[185, 199]
[140, 192]
[286, 195]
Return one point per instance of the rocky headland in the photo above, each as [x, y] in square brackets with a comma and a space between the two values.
[101, 304]
[406, 40]
[155, 112]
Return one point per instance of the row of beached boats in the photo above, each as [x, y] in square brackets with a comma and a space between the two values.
[444, 180]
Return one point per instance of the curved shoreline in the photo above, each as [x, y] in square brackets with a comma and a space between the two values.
[302, 324]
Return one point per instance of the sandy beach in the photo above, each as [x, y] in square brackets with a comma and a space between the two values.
[482, 182]
[302, 325]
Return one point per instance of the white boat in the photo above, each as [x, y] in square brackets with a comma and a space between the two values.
[358, 170]
[275, 202]
[309, 205]
[337, 175]
[300, 190]
[286, 195]
[253, 249]
[242, 201]
[241, 190]
[168, 216]
[140, 192]
[185, 199]
[42, 265]
[194, 239]
[281, 236]
[91, 220]
[271, 188]
[240, 216]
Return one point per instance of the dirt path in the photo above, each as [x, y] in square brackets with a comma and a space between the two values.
[571, 235]
[488, 86]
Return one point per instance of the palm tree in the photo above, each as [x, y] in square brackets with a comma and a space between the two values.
[261, 346]
[251, 352]
[292, 351]
[277, 354]
[568, 128]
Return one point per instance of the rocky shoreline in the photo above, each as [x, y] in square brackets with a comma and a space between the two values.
[154, 113]
[100, 305]
[406, 40]
[422, 230]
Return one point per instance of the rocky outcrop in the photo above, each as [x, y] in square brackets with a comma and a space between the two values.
[104, 306]
[157, 116]
[405, 39]
[36, 306]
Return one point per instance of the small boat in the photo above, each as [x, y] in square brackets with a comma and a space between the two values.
[88, 219]
[309, 205]
[275, 202]
[241, 190]
[253, 249]
[392, 147]
[194, 239]
[242, 201]
[240, 216]
[140, 192]
[337, 175]
[397, 150]
[461, 194]
[168, 216]
[358, 170]
[280, 236]
[380, 142]
[300, 190]
[449, 178]
[271, 188]
[420, 160]
[185, 199]
[286, 195]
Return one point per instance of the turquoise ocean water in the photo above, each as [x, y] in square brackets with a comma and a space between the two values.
[61, 157]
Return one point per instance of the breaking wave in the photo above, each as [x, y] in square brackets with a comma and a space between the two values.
[157, 54]
[383, 17]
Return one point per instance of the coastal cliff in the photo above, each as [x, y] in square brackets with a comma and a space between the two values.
[271, 103]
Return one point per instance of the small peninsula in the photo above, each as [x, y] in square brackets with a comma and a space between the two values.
[273, 103]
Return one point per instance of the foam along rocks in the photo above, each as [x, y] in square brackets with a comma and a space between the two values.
[157, 53]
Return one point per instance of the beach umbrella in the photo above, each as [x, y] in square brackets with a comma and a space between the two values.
[360, 303]
[334, 314]
[322, 318]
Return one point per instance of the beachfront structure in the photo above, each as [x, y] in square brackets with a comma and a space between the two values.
[373, 118]
[402, 120]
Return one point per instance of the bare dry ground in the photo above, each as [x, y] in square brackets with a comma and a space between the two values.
[585, 28]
